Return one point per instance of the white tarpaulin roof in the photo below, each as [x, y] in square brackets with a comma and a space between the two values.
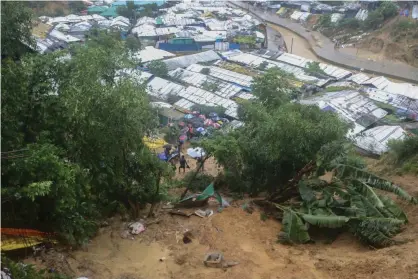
[351, 105]
[187, 60]
[161, 88]
[375, 140]
[406, 89]
[255, 61]
[150, 53]
[135, 75]
[224, 74]
[223, 89]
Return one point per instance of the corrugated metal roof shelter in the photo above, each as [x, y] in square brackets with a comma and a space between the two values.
[395, 100]
[135, 75]
[359, 78]
[255, 61]
[149, 53]
[405, 89]
[351, 105]
[187, 60]
[161, 88]
[184, 105]
[203, 97]
[302, 62]
[376, 140]
[223, 74]
[223, 89]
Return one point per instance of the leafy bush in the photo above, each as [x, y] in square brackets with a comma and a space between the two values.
[388, 9]
[205, 71]
[248, 40]
[172, 99]
[158, 68]
[27, 271]
[262, 66]
[314, 69]
[352, 23]
[374, 20]
[336, 88]
[210, 86]
[325, 20]
[201, 181]
[133, 43]
[403, 150]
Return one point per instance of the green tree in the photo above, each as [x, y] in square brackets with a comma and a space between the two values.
[352, 23]
[374, 20]
[16, 29]
[273, 87]
[72, 139]
[388, 9]
[325, 20]
[133, 43]
[274, 144]
[158, 68]
[314, 69]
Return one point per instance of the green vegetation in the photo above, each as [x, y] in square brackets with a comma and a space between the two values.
[284, 148]
[314, 69]
[385, 11]
[351, 23]
[205, 71]
[247, 40]
[336, 88]
[18, 270]
[210, 86]
[404, 154]
[263, 66]
[325, 20]
[158, 68]
[133, 43]
[72, 147]
[200, 181]
[16, 29]
[133, 11]
[273, 88]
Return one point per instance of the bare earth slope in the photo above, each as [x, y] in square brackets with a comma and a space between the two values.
[240, 237]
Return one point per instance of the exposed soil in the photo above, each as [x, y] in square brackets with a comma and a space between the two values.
[387, 44]
[160, 252]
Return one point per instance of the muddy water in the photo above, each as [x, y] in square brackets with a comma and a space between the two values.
[300, 45]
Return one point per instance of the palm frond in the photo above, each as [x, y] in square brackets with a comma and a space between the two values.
[377, 232]
[306, 192]
[294, 230]
[324, 221]
[393, 208]
[368, 193]
[346, 171]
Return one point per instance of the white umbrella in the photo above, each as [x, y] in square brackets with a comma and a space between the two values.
[196, 152]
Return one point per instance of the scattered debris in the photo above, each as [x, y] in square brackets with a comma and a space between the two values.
[162, 259]
[124, 234]
[204, 213]
[136, 228]
[181, 213]
[217, 260]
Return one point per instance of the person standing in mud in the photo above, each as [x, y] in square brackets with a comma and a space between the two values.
[183, 164]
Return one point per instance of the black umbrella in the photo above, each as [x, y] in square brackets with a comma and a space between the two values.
[167, 146]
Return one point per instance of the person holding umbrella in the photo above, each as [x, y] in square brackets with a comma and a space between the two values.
[183, 164]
